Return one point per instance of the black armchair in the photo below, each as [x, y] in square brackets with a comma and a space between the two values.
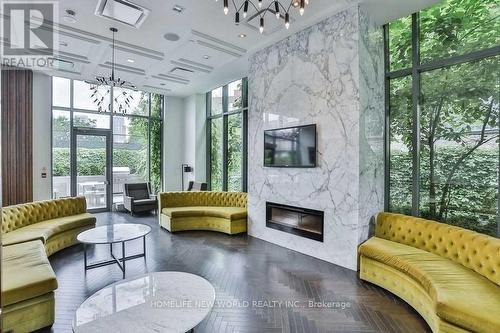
[138, 198]
[195, 186]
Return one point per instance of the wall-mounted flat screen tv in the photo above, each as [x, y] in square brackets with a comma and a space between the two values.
[291, 147]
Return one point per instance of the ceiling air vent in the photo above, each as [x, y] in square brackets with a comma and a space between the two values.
[63, 65]
[123, 11]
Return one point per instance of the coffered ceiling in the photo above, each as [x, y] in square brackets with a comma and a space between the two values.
[209, 50]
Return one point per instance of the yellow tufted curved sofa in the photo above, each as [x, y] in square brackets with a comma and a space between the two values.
[215, 211]
[450, 275]
[30, 233]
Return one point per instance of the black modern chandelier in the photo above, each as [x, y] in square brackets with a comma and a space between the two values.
[121, 97]
[280, 8]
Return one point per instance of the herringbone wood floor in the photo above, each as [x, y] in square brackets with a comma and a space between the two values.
[241, 268]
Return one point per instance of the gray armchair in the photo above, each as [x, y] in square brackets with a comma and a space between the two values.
[138, 198]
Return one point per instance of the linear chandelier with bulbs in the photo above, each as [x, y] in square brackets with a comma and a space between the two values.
[275, 6]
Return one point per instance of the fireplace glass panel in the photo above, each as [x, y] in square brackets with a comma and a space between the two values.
[296, 220]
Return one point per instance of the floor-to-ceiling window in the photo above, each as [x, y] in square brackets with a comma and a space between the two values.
[226, 137]
[135, 147]
[442, 96]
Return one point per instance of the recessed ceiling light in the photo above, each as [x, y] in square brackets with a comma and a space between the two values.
[242, 35]
[131, 60]
[206, 57]
[171, 37]
[178, 9]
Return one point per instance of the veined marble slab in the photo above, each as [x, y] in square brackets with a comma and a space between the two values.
[331, 75]
[155, 302]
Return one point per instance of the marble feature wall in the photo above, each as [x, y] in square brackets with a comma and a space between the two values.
[331, 75]
[371, 121]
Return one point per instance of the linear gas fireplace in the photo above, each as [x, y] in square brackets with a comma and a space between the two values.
[295, 220]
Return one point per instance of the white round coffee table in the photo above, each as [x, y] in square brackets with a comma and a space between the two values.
[111, 234]
[154, 302]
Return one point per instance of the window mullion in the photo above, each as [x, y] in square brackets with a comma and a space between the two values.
[225, 108]
[72, 165]
[149, 140]
[208, 162]
[415, 115]
[387, 122]
[244, 115]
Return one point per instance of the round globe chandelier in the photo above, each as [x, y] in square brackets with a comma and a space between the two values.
[281, 9]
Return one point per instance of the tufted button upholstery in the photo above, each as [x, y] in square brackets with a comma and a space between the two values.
[216, 211]
[30, 233]
[18, 216]
[475, 251]
[203, 198]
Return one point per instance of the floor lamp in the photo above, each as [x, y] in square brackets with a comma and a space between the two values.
[184, 168]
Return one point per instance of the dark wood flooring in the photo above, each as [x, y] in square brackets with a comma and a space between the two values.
[242, 268]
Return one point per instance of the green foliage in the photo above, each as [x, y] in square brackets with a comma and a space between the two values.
[234, 152]
[156, 155]
[400, 43]
[61, 128]
[459, 27]
[216, 154]
[156, 105]
[137, 135]
[92, 161]
[451, 28]
[472, 199]
[60, 162]
[155, 141]
[132, 154]
[238, 101]
[234, 136]
[459, 117]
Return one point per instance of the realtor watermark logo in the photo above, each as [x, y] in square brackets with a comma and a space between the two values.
[28, 39]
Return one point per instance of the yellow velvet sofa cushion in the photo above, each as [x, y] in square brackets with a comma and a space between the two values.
[461, 296]
[26, 272]
[18, 216]
[478, 252]
[233, 213]
[45, 229]
[184, 211]
[216, 211]
[20, 236]
[202, 198]
[209, 223]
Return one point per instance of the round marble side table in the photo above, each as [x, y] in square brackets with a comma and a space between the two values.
[112, 234]
[154, 302]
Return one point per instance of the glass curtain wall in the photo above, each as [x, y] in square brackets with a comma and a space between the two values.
[136, 135]
[442, 97]
[226, 137]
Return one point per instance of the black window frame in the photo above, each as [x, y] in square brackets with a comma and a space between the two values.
[71, 110]
[224, 115]
[415, 70]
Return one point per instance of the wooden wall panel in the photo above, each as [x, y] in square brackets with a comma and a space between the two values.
[17, 141]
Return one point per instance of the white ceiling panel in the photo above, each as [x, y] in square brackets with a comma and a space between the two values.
[208, 43]
[79, 47]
